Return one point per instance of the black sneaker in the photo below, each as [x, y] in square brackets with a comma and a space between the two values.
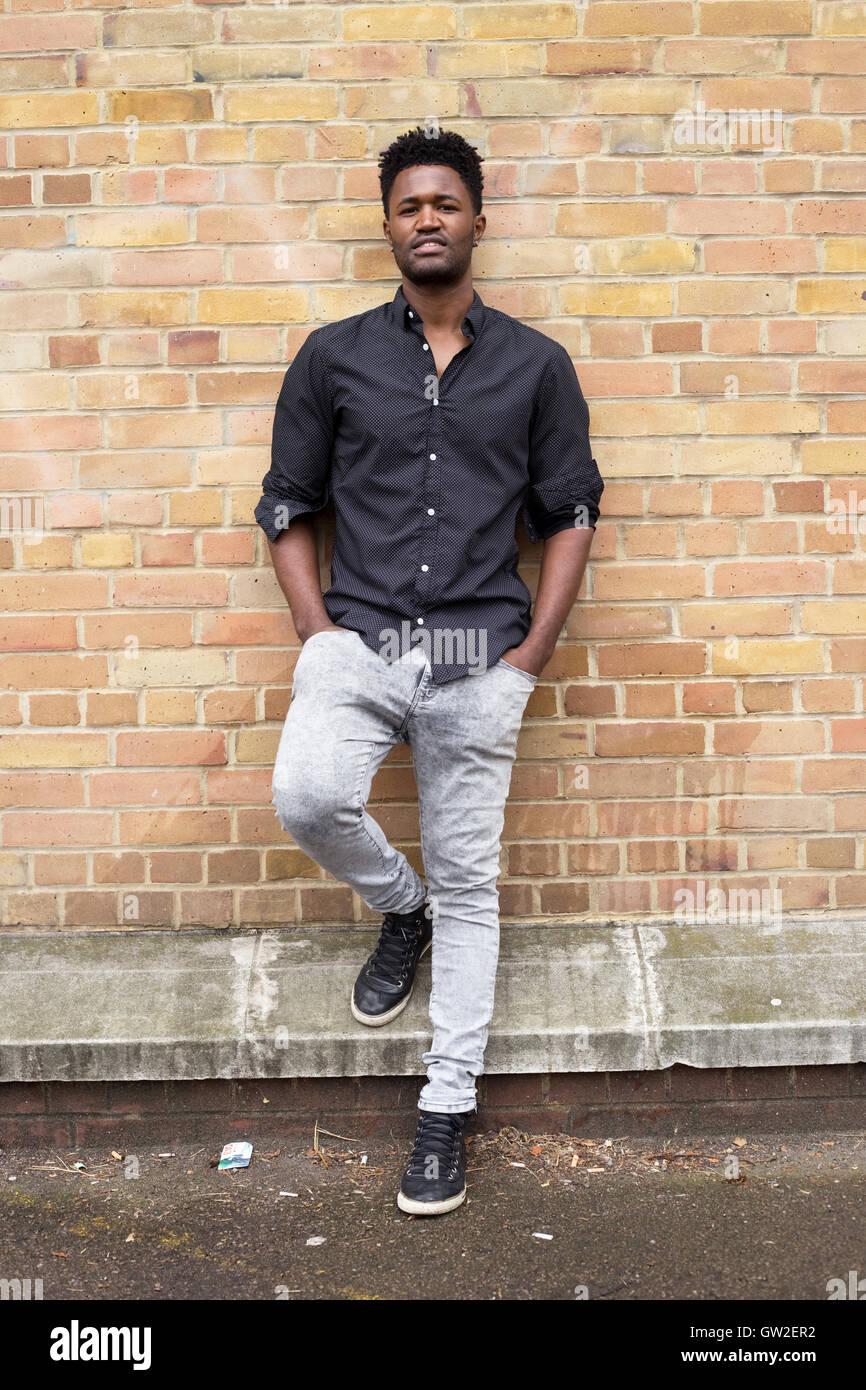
[384, 986]
[435, 1180]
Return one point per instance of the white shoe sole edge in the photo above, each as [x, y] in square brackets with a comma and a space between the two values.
[408, 1204]
[377, 1020]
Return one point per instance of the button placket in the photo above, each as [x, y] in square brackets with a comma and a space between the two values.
[432, 492]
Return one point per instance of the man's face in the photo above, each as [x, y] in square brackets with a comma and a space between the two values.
[429, 203]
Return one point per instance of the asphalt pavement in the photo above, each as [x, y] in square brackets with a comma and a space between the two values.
[731, 1217]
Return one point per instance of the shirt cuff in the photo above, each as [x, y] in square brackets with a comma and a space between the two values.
[562, 519]
[274, 513]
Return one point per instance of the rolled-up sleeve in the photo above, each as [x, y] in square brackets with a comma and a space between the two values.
[298, 480]
[565, 485]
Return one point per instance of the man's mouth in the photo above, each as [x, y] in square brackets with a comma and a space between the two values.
[428, 246]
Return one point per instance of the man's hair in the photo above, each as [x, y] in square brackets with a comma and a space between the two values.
[424, 147]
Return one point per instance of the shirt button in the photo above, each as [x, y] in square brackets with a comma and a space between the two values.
[436, 402]
[419, 620]
[411, 315]
[430, 511]
[426, 348]
[432, 456]
[425, 567]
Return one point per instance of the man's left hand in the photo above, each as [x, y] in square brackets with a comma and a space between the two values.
[527, 658]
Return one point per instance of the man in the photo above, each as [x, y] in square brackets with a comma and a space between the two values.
[430, 421]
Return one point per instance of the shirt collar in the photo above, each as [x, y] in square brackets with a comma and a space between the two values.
[400, 309]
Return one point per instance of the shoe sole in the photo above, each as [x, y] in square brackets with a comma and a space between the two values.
[414, 1208]
[377, 1020]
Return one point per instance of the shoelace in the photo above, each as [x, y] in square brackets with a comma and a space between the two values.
[391, 956]
[436, 1137]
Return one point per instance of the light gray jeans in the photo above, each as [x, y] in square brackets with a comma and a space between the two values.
[348, 707]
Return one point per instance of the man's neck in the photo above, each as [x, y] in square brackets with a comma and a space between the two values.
[442, 307]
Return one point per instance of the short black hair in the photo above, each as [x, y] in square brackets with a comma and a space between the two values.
[424, 147]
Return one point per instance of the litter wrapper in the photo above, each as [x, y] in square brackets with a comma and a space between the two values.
[236, 1156]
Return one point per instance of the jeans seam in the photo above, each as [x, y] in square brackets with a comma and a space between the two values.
[363, 809]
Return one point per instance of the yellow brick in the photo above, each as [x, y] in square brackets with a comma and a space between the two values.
[389, 101]
[614, 218]
[834, 456]
[147, 26]
[844, 253]
[836, 618]
[706, 295]
[830, 296]
[338, 303]
[625, 418]
[287, 102]
[196, 508]
[734, 619]
[231, 466]
[12, 870]
[638, 297]
[134, 227]
[36, 391]
[735, 458]
[767, 658]
[119, 308]
[253, 306]
[288, 863]
[553, 740]
[351, 61]
[842, 19]
[335, 141]
[174, 667]
[230, 63]
[349, 222]
[51, 553]
[243, 504]
[812, 135]
[631, 20]
[628, 96]
[363, 22]
[257, 746]
[475, 60]
[41, 110]
[53, 750]
[161, 106]
[763, 417]
[227, 145]
[106, 550]
[161, 145]
[748, 17]
[542, 97]
[516, 21]
[170, 707]
[634, 257]
[656, 458]
[111, 69]
[513, 260]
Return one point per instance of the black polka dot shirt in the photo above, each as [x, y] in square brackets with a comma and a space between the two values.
[427, 475]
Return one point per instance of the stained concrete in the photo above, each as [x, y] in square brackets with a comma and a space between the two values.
[165, 1005]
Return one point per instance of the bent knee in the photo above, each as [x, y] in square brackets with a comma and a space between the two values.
[307, 810]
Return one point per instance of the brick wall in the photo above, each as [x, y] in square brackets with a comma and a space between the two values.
[680, 1100]
[189, 189]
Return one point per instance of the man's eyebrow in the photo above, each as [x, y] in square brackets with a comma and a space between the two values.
[441, 197]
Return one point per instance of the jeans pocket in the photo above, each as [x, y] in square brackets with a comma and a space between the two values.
[329, 632]
[527, 675]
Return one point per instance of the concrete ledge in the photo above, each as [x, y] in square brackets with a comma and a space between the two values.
[162, 1005]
